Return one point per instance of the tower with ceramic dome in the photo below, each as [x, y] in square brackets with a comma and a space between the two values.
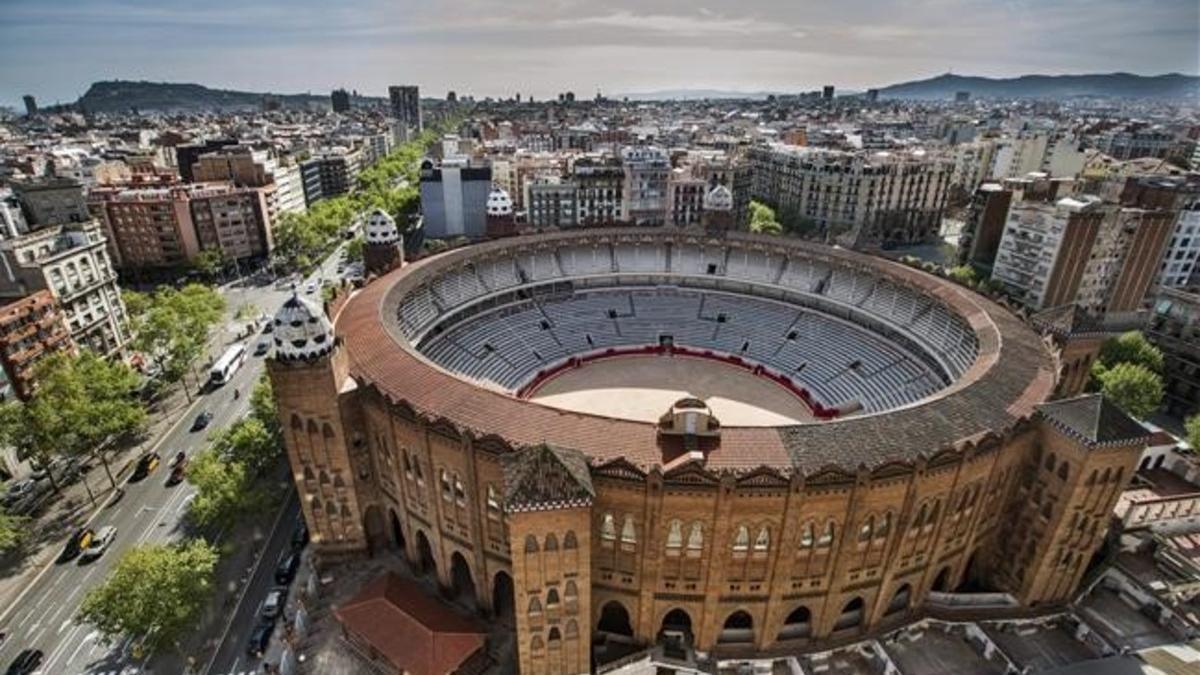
[384, 248]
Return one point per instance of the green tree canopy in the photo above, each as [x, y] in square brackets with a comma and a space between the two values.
[1135, 388]
[248, 442]
[1131, 347]
[174, 327]
[963, 274]
[13, 531]
[762, 219]
[154, 594]
[1193, 431]
[223, 490]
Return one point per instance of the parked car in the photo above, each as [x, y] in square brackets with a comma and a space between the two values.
[285, 571]
[26, 662]
[202, 420]
[273, 604]
[146, 465]
[78, 541]
[99, 543]
[260, 639]
[300, 536]
[17, 490]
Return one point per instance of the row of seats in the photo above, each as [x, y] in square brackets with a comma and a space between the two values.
[838, 362]
[935, 326]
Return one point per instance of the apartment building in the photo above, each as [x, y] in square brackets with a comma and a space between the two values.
[1175, 329]
[551, 202]
[685, 198]
[1180, 264]
[331, 172]
[983, 226]
[1045, 249]
[600, 182]
[234, 221]
[31, 327]
[647, 169]
[515, 172]
[856, 198]
[405, 107]
[1124, 260]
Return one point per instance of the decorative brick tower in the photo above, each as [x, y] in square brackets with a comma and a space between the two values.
[384, 248]
[548, 502]
[307, 372]
[1077, 338]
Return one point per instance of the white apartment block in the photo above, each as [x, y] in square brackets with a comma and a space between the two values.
[1181, 262]
[1030, 247]
[646, 172]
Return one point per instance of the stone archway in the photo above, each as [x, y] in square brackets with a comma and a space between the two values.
[797, 625]
[901, 601]
[851, 616]
[426, 564]
[737, 629]
[677, 622]
[374, 528]
[614, 619]
[462, 584]
[502, 598]
[397, 531]
[941, 582]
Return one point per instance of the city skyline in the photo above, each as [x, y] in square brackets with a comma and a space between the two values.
[478, 48]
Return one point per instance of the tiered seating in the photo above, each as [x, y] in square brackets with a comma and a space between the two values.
[498, 273]
[753, 266]
[457, 287]
[837, 361]
[690, 259]
[802, 274]
[849, 286]
[539, 266]
[631, 258]
[585, 260]
[418, 311]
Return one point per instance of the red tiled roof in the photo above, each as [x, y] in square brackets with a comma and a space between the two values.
[414, 631]
[1012, 374]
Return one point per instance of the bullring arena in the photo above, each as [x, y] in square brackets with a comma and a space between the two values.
[745, 445]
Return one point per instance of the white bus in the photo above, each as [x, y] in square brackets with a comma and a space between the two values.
[228, 364]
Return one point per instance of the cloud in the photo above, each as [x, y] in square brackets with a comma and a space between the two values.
[54, 49]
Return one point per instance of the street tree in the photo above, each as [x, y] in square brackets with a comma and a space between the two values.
[262, 404]
[1192, 427]
[174, 328]
[13, 531]
[154, 594]
[248, 442]
[763, 220]
[223, 490]
[1135, 388]
[1131, 347]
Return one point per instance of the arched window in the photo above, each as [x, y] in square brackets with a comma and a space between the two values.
[868, 527]
[674, 537]
[460, 493]
[1106, 476]
[552, 598]
[571, 591]
[569, 541]
[763, 541]
[444, 478]
[554, 636]
[917, 522]
[417, 470]
[493, 502]
[608, 527]
[1119, 476]
[741, 541]
[885, 526]
[551, 542]
[934, 514]
[826, 539]
[1093, 476]
[807, 536]
[1063, 471]
[1050, 462]
[531, 545]
[297, 423]
[695, 540]
[628, 533]
[572, 629]
[535, 605]
[536, 643]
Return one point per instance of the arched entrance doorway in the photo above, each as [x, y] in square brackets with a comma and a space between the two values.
[502, 598]
[614, 620]
[941, 583]
[676, 624]
[462, 585]
[900, 601]
[374, 529]
[738, 629]
[425, 561]
[797, 625]
[397, 531]
[851, 616]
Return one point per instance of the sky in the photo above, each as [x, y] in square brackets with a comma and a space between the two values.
[54, 49]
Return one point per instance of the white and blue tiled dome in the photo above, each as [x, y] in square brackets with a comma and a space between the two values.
[499, 203]
[381, 228]
[718, 199]
[301, 330]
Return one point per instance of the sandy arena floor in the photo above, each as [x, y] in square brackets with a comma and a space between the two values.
[644, 387]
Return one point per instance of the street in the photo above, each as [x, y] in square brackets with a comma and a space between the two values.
[44, 615]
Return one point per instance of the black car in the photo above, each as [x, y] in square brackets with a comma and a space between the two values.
[26, 662]
[147, 463]
[76, 543]
[285, 571]
[300, 536]
[202, 421]
[260, 639]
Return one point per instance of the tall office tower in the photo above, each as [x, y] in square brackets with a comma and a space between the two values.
[986, 215]
[340, 99]
[827, 92]
[30, 105]
[406, 106]
[454, 198]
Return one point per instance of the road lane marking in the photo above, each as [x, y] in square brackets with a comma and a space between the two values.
[88, 638]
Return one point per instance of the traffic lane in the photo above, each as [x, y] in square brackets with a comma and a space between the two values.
[149, 512]
[232, 656]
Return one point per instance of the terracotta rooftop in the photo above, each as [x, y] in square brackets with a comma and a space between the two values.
[1012, 374]
[414, 631]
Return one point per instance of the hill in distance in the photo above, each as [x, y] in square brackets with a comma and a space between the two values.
[119, 96]
[1113, 85]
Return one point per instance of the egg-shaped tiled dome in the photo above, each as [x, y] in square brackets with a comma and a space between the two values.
[381, 228]
[301, 330]
[499, 203]
[718, 199]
